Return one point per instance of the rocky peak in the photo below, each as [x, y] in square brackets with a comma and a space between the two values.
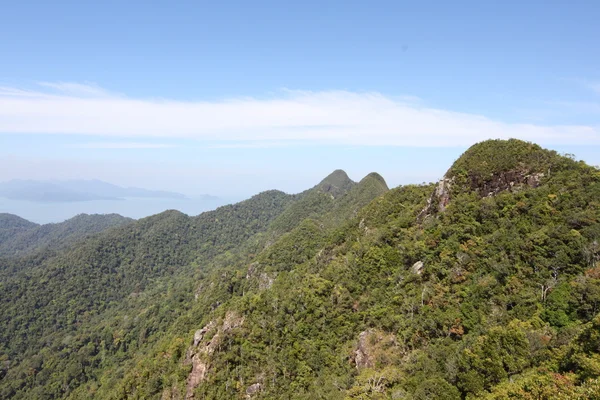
[492, 167]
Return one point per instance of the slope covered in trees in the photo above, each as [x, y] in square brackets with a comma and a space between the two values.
[485, 285]
[100, 281]
[20, 237]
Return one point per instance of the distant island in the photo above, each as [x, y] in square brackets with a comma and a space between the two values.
[76, 190]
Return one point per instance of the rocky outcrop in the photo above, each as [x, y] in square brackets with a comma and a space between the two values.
[362, 357]
[511, 181]
[508, 181]
[438, 200]
[198, 374]
[417, 268]
[205, 342]
[265, 281]
[251, 272]
[375, 347]
[253, 389]
[442, 193]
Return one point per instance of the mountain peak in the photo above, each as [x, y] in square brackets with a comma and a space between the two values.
[491, 167]
[14, 221]
[337, 183]
[488, 158]
[374, 176]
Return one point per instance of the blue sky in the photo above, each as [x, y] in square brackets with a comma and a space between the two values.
[231, 98]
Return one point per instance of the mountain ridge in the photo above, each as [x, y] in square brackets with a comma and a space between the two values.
[33, 237]
[316, 295]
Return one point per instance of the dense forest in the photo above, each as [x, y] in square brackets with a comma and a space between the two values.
[485, 285]
[19, 237]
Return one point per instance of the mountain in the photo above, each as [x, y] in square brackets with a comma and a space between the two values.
[11, 225]
[26, 237]
[75, 190]
[337, 183]
[101, 189]
[335, 191]
[483, 285]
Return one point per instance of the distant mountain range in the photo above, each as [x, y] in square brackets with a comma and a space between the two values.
[76, 190]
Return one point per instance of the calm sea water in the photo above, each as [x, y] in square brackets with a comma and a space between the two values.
[44, 213]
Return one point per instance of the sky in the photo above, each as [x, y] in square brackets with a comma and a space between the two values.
[232, 98]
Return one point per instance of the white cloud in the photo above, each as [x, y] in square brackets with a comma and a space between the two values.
[327, 117]
[77, 89]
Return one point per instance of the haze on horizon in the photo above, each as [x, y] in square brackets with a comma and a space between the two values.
[196, 99]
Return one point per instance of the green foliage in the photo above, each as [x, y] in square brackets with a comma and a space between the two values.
[88, 283]
[11, 225]
[341, 292]
[19, 237]
[482, 160]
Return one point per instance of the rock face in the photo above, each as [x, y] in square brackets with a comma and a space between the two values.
[265, 281]
[491, 167]
[442, 193]
[417, 267]
[439, 199]
[375, 348]
[252, 390]
[511, 181]
[198, 374]
[203, 346]
[199, 334]
[361, 354]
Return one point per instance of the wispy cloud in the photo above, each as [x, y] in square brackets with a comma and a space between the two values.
[77, 89]
[326, 117]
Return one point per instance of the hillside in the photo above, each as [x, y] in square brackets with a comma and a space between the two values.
[26, 238]
[484, 285]
[12, 225]
[116, 271]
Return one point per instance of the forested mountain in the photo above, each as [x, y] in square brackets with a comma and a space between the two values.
[484, 285]
[19, 237]
[12, 225]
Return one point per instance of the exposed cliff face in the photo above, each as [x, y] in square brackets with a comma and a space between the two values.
[375, 348]
[492, 167]
[511, 181]
[439, 199]
[205, 342]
